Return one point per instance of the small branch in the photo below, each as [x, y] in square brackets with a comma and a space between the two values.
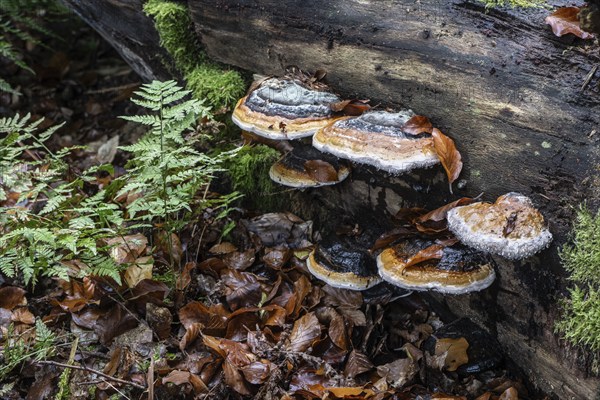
[589, 77]
[93, 371]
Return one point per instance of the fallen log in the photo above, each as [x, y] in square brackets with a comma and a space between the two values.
[522, 105]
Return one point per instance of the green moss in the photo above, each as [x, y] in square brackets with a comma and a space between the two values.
[209, 80]
[249, 173]
[580, 318]
[514, 3]
[580, 323]
[582, 258]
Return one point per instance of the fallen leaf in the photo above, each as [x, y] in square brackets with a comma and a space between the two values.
[352, 108]
[454, 352]
[416, 125]
[400, 372]
[257, 372]
[434, 222]
[184, 278]
[350, 392]
[11, 297]
[276, 258]
[305, 332]
[433, 252]
[128, 248]
[139, 270]
[23, 316]
[449, 156]
[321, 171]
[565, 20]
[240, 260]
[222, 248]
[357, 364]
[509, 394]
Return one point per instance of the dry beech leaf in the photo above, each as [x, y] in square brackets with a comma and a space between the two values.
[485, 396]
[23, 315]
[509, 394]
[184, 278]
[357, 364]
[138, 271]
[12, 296]
[351, 392]
[416, 125]
[305, 332]
[352, 108]
[449, 156]
[565, 20]
[433, 252]
[257, 372]
[222, 248]
[455, 351]
[321, 171]
[400, 372]
[434, 222]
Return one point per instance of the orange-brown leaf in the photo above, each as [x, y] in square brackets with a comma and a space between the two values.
[433, 252]
[321, 171]
[456, 352]
[448, 154]
[417, 125]
[305, 332]
[565, 20]
[351, 107]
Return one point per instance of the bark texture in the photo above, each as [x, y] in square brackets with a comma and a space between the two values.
[499, 83]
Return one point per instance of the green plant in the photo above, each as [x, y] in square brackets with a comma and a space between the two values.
[19, 19]
[580, 318]
[16, 349]
[221, 87]
[40, 240]
[514, 3]
[167, 172]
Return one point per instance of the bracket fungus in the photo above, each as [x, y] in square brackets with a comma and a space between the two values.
[305, 167]
[420, 265]
[342, 263]
[284, 108]
[511, 227]
[379, 138]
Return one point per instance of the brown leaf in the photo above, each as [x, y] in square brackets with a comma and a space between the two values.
[305, 332]
[455, 351]
[337, 331]
[257, 372]
[510, 223]
[565, 20]
[389, 237]
[485, 396]
[12, 296]
[509, 394]
[276, 258]
[434, 222]
[321, 171]
[242, 289]
[139, 270]
[113, 323]
[416, 125]
[449, 156]
[23, 315]
[222, 248]
[170, 245]
[353, 107]
[127, 249]
[433, 252]
[357, 364]
[184, 278]
[159, 319]
[191, 333]
[351, 392]
[240, 260]
[234, 379]
[400, 372]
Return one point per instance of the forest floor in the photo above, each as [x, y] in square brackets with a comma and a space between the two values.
[239, 316]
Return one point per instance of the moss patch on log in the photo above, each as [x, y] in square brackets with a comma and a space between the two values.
[220, 86]
[249, 173]
[580, 319]
[514, 3]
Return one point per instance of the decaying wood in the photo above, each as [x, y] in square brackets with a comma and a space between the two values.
[499, 83]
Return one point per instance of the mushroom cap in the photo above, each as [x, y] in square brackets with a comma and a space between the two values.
[376, 138]
[284, 109]
[460, 270]
[341, 264]
[511, 227]
[291, 170]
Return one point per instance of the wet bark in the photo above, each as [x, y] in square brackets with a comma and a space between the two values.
[522, 105]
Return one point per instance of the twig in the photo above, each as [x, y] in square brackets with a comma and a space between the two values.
[588, 78]
[93, 371]
[113, 89]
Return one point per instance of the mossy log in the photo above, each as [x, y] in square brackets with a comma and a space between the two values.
[522, 105]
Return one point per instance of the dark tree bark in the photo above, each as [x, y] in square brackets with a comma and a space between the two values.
[522, 105]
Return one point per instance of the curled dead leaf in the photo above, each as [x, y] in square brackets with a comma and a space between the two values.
[565, 20]
[454, 352]
[305, 332]
[321, 171]
[449, 156]
[416, 125]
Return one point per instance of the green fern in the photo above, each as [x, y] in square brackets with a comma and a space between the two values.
[166, 171]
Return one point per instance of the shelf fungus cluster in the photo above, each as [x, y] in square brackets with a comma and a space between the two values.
[446, 250]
